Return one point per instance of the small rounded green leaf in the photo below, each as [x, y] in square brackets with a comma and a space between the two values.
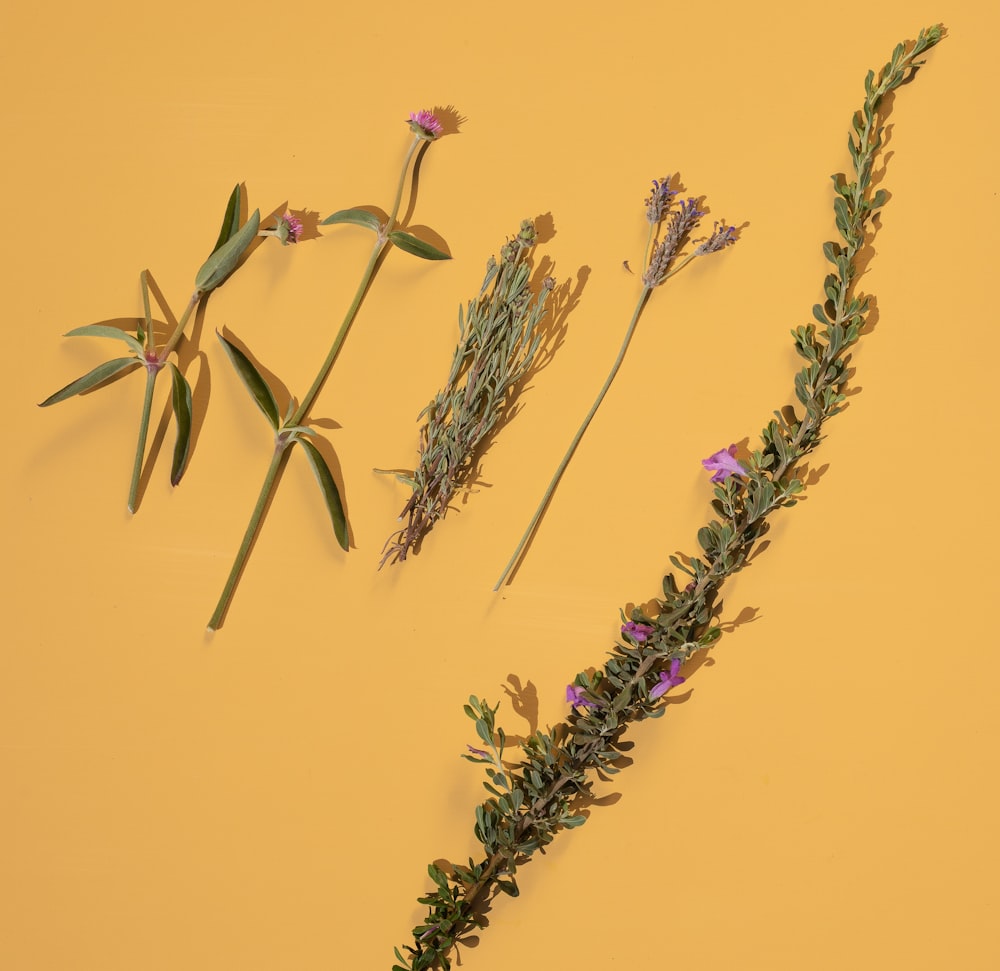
[410, 244]
[359, 217]
[223, 261]
[90, 380]
[181, 399]
[103, 330]
[329, 488]
[253, 381]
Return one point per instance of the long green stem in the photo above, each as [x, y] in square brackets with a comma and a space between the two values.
[248, 537]
[529, 532]
[352, 311]
[181, 324]
[152, 370]
[140, 449]
[270, 480]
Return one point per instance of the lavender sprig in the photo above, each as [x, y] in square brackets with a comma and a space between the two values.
[542, 789]
[661, 263]
[498, 343]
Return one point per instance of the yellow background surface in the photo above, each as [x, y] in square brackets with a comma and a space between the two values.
[822, 792]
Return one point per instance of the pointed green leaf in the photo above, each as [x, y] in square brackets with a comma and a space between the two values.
[144, 333]
[181, 399]
[103, 330]
[359, 217]
[223, 261]
[329, 488]
[93, 378]
[231, 220]
[410, 244]
[253, 381]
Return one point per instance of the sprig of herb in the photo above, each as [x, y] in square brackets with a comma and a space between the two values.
[669, 231]
[536, 797]
[426, 128]
[499, 339]
[233, 242]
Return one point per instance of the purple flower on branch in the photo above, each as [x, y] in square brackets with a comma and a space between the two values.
[723, 463]
[668, 680]
[638, 632]
[479, 752]
[575, 696]
[424, 124]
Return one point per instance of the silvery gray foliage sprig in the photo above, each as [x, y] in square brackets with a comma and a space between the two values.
[499, 339]
[531, 799]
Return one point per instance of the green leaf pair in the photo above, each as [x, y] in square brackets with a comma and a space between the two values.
[264, 398]
[230, 246]
[405, 241]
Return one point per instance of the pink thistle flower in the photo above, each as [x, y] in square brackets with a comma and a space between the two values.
[424, 124]
[289, 229]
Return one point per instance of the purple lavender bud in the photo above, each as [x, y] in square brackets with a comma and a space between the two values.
[683, 221]
[659, 200]
[722, 236]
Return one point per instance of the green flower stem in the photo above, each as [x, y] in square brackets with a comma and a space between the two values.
[529, 532]
[366, 278]
[280, 450]
[140, 449]
[152, 370]
[270, 480]
[181, 324]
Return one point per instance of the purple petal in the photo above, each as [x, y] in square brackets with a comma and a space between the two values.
[723, 463]
[660, 689]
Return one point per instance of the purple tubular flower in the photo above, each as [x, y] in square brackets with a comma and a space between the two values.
[480, 752]
[638, 632]
[722, 236]
[659, 200]
[683, 222]
[668, 681]
[424, 124]
[575, 696]
[723, 463]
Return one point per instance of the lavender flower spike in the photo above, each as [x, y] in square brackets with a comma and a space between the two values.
[722, 236]
[659, 200]
[668, 681]
[723, 463]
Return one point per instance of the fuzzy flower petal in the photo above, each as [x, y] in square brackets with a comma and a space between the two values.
[638, 632]
[723, 463]
[424, 124]
[668, 680]
[575, 696]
